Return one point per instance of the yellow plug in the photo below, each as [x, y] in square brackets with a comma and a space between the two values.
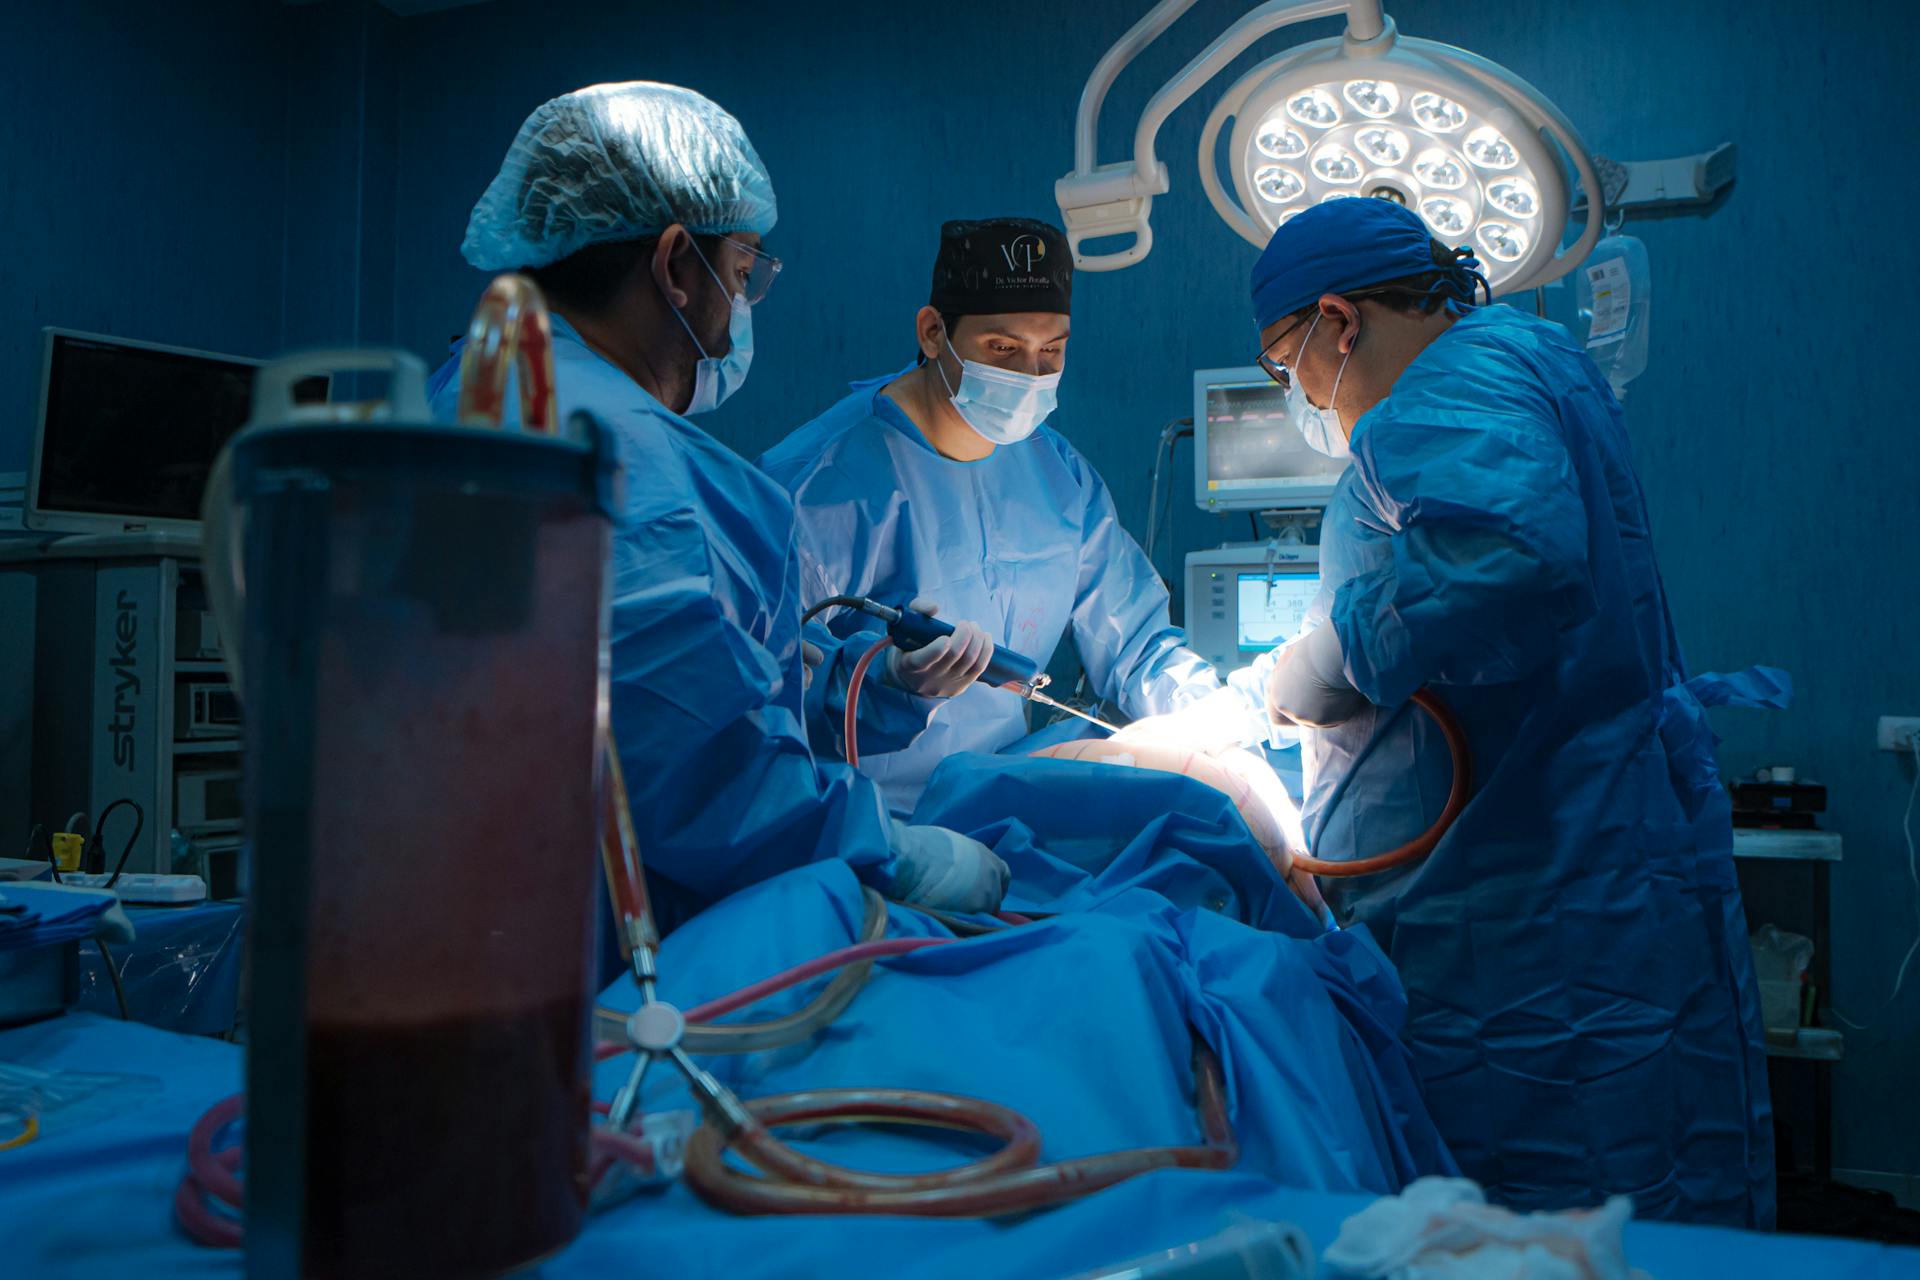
[68, 849]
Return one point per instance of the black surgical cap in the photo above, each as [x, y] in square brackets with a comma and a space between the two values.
[1001, 265]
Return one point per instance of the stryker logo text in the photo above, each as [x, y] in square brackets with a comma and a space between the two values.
[126, 681]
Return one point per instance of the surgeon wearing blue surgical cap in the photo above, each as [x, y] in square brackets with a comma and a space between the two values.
[1581, 996]
[639, 210]
[948, 482]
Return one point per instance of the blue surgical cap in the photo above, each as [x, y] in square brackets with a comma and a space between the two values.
[1344, 245]
[618, 162]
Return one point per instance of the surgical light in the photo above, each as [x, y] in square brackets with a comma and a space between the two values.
[1278, 185]
[1447, 216]
[1505, 241]
[1376, 99]
[1281, 142]
[1515, 196]
[1335, 164]
[1472, 148]
[1315, 109]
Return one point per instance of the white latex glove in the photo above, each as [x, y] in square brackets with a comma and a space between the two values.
[945, 870]
[945, 667]
[811, 656]
[1218, 722]
[1309, 685]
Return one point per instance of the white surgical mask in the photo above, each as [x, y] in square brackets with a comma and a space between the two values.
[1324, 431]
[1003, 406]
[717, 377]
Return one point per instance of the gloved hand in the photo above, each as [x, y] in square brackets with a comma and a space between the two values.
[945, 870]
[1309, 684]
[945, 667]
[811, 656]
[1218, 722]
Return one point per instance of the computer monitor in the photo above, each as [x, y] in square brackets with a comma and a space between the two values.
[1245, 599]
[1247, 453]
[128, 431]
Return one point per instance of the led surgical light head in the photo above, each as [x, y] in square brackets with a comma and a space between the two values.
[1395, 120]
[1472, 148]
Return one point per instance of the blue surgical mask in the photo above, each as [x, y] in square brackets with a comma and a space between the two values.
[1005, 407]
[717, 377]
[1324, 431]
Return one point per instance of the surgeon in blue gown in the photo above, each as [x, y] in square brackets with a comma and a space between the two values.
[942, 481]
[639, 208]
[1582, 1002]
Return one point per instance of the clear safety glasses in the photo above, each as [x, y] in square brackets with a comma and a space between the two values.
[760, 268]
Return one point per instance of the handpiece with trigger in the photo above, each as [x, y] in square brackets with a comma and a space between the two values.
[1005, 670]
[910, 630]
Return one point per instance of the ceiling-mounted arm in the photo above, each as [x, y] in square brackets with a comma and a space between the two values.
[1117, 199]
[1086, 126]
[1100, 201]
[1231, 43]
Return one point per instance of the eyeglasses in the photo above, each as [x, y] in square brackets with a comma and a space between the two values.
[1275, 369]
[761, 268]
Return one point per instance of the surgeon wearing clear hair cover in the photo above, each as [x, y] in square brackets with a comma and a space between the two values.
[946, 481]
[639, 209]
[1581, 1001]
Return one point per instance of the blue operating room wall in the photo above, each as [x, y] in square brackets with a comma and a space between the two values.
[272, 176]
[145, 167]
[214, 175]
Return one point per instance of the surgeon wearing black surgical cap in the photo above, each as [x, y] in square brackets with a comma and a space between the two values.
[950, 480]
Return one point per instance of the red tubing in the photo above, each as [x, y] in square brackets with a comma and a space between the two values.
[720, 1006]
[510, 330]
[1008, 1181]
[210, 1174]
[205, 1224]
[760, 990]
[1422, 845]
[859, 677]
[1004, 1183]
[851, 730]
[620, 856]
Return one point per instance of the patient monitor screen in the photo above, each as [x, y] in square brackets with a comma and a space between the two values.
[1272, 609]
[1251, 444]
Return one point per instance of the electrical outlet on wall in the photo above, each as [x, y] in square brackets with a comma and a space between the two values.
[1898, 732]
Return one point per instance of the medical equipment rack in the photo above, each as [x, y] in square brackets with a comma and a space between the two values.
[1801, 863]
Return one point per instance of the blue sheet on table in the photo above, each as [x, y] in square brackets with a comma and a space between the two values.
[41, 915]
[1081, 1022]
[181, 972]
[124, 1171]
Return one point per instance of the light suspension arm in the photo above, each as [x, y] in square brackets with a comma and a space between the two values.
[1109, 200]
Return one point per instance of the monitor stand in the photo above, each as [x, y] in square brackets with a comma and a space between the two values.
[1289, 526]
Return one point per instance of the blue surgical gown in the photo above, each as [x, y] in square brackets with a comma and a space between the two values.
[706, 688]
[1025, 542]
[1582, 1003]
